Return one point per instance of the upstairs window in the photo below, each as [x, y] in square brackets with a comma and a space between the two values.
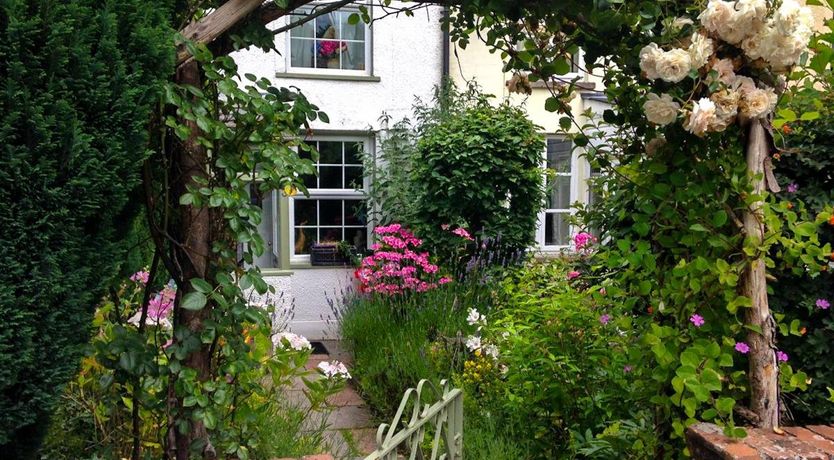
[328, 43]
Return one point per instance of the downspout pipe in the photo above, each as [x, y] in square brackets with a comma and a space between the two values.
[444, 64]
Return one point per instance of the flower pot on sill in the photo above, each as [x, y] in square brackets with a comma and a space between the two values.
[327, 255]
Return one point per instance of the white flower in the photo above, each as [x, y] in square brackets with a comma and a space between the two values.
[725, 69]
[702, 116]
[661, 110]
[334, 369]
[674, 65]
[293, 341]
[726, 108]
[757, 103]
[648, 60]
[473, 343]
[681, 22]
[792, 18]
[716, 15]
[491, 351]
[475, 318]
[700, 50]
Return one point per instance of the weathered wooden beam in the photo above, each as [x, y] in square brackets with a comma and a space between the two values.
[229, 14]
[764, 372]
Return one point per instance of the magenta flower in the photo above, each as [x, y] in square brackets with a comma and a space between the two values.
[582, 240]
[742, 348]
[823, 304]
[573, 274]
[604, 319]
[697, 320]
[781, 356]
[792, 188]
[627, 368]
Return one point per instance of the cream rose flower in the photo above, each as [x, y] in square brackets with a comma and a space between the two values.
[673, 66]
[725, 69]
[743, 84]
[726, 108]
[791, 18]
[716, 15]
[701, 117]
[648, 60]
[757, 103]
[661, 110]
[700, 50]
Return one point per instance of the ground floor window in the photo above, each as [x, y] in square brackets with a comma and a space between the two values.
[561, 181]
[335, 209]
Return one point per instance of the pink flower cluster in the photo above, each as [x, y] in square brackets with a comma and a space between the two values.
[140, 277]
[582, 240]
[159, 308]
[397, 265]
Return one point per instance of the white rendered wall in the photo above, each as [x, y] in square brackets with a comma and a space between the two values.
[407, 61]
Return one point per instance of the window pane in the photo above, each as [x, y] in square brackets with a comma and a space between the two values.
[556, 229]
[353, 57]
[351, 32]
[357, 237]
[558, 193]
[304, 237]
[304, 30]
[266, 230]
[558, 155]
[310, 181]
[330, 152]
[353, 153]
[353, 177]
[330, 235]
[330, 177]
[330, 212]
[355, 212]
[329, 54]
[301, 52]
[305, 212]
[325, 27]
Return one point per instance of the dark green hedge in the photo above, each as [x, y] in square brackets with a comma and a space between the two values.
[78, 79]
[809, 164]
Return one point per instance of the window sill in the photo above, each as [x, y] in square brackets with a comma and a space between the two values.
[308, 265]
[275, 272]
[326, 76]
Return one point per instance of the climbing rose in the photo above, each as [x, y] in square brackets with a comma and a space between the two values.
[702, 117]
[661, 110]
[781, 356]
[582, 239]
[742, 348]
[823, 303]
[697, 320]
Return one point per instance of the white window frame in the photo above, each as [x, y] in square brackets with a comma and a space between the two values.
[574, 197]
[327, 71]
[329, 193]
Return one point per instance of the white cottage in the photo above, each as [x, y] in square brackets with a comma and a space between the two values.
[354, 73]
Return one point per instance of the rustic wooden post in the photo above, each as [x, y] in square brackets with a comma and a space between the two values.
[764, 375]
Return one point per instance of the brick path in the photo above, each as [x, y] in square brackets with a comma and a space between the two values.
[707, 442]
[351, 431]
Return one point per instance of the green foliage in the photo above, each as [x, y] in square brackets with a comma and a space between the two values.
[480, 168]
[568, 369]
[79, 80]
[466, 163]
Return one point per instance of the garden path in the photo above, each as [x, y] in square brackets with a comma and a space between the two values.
[351, 430]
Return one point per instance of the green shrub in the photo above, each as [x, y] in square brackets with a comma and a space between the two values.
[79, 80]
[466, 163]
[565, 370]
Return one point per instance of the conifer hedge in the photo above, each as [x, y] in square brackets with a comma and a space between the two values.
[78, 82]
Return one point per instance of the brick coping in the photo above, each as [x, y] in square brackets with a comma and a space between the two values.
[706, 441]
